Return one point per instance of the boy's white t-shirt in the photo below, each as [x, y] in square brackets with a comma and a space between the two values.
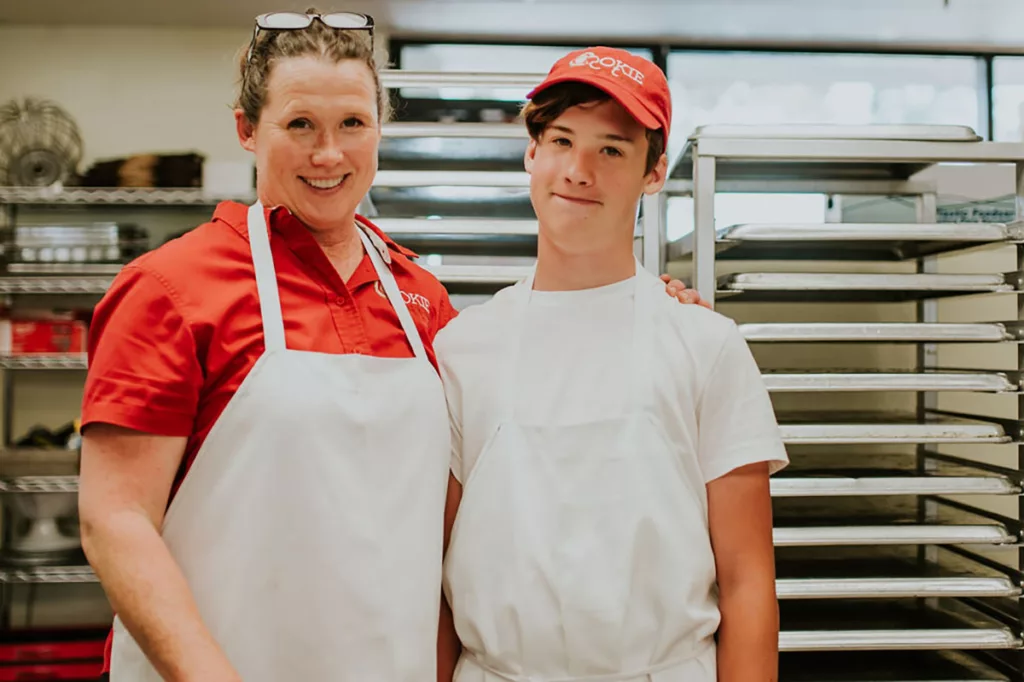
[574, 367]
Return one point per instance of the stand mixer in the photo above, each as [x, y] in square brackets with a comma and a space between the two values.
[43, 529]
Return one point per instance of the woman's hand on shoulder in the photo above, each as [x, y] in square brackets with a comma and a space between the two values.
[676, 288]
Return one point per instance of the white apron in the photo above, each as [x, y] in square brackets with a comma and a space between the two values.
[310, 525]
[581, 551]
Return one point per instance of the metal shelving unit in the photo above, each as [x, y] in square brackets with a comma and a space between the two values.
[887, 541]
[76, 361]
[49, 575]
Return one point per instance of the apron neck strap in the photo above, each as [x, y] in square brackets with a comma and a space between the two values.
[270, 302]
[266, 279]
[387, 280]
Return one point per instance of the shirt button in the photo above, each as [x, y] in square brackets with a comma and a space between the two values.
[339, 301]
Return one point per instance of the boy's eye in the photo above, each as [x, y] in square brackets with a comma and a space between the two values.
[612, 151]
[300, 124]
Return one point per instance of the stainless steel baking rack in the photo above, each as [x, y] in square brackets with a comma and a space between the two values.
[897, 530]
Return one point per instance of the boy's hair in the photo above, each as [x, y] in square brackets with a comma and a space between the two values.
[549, 104]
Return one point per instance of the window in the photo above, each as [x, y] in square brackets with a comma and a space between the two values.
[767, 88]
[1008, 99]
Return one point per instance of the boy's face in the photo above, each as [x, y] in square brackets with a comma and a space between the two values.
[587, 175]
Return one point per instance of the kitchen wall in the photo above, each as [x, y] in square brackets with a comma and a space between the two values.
[133, 90]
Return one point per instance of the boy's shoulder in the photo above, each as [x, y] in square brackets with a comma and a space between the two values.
[689, 323]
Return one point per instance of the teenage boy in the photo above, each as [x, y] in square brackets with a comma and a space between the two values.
[612, 447]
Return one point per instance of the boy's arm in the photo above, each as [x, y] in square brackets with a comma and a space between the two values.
[740, 522]
[448, 646]
[739, 446]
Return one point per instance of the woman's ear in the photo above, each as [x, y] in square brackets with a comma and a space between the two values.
[246, 131]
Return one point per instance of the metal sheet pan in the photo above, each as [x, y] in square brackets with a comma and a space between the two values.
[63, 268]
[893, 588]
[841, 381]
[455, 226]
[39, 484]
[889, 640]
[843, 332]
[49, 574]
[484, 274]
[908, 534]
[847, 241]
[404, 78]
[860, 624]
[62, 361]
[506, 245]
[856, 287]
[61, 285]
[884, 666]
[452, 152]
[437, 178]
[890, 578]
[911, 484]
[871, 463]
[875, 640]
[917, 133]
[470, 279]
[469, 237]
[853, 428]
[471, 201]
[850, 232]
[476, 131]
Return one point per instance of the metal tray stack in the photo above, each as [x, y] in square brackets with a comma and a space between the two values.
[897, 557]
[456, 193]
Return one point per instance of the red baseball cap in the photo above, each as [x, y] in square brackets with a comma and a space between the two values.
[634, 82]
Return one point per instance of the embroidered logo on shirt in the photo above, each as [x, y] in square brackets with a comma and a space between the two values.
[410, 299]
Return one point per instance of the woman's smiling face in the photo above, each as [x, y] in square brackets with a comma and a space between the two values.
[316, 140]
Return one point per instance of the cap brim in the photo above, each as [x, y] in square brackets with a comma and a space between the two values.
[637, 110]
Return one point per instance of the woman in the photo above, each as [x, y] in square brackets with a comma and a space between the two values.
[265, 437]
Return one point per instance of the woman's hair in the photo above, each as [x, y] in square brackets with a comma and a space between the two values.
[552, 102]
[317, 39]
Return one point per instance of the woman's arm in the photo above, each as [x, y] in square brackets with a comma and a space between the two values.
[448, 646]
[126, 478]
[740, 520]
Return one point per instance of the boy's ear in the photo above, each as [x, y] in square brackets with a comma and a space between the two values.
[655, 180]
[531, 151]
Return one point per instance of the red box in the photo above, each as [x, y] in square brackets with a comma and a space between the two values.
[20, 337]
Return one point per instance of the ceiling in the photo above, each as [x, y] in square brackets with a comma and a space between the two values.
[951, 24]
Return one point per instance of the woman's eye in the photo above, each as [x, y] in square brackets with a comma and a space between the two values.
[352, 123]
[300, 124]
[562, 142]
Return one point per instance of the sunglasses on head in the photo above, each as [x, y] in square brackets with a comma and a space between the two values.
[296, 21]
